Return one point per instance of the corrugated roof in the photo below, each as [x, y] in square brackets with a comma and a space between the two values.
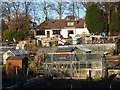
[47, 50]
[75, 57]
[66, 49]
[6, 49]
[19, 52]
[20, 57]
[22, 51]
[14, 52]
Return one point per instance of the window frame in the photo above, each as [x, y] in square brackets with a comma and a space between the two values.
[41, 32]
[70, 23]
[70, 31]
[57, 32]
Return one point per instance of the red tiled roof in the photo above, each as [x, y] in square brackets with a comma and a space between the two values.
[59, 24]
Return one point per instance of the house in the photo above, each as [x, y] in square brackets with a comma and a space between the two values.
[16, 65]
[13, 52]
[66, 27]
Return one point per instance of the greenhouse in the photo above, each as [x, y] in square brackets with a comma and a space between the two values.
[73, 65]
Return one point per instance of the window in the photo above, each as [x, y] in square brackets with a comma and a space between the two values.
[82, 65]
[70, 32]
[41, 32]
[56, 32]
[89, 65]
[70, 23]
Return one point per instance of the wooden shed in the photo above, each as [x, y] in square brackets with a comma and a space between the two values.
[16, 65]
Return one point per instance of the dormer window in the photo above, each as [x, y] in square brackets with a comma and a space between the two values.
[52, 23]
[70, 18]
[70, 23]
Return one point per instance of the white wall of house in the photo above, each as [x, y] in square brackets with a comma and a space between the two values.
[64, 32]
[82, 31]
[39, 37]
[76, 31]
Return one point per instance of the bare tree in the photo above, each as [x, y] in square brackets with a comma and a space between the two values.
[16, 13]
[27, 8]
[60, 7]
[45, 10]
[16, 6]
[27, 11]
[6, 10]
[85, 4]
[75, 7]
[44, 7]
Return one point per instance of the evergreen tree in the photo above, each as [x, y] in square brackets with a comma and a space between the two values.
[114, 22]
[94, 18]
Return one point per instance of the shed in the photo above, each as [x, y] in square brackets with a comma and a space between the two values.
[13, 52]
[16, 65]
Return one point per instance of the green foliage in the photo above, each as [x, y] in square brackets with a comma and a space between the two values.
[41, 67]
[19, 36]
[114, 22]
[33, 65]
[9, 35]
[19, 28]
[94, 18]
[4, 25]
[97, 78]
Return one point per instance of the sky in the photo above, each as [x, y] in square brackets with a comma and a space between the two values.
[39, 14]
[53, 14]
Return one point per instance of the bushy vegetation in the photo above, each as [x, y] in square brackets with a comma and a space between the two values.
[103, 17]
[94, 19]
